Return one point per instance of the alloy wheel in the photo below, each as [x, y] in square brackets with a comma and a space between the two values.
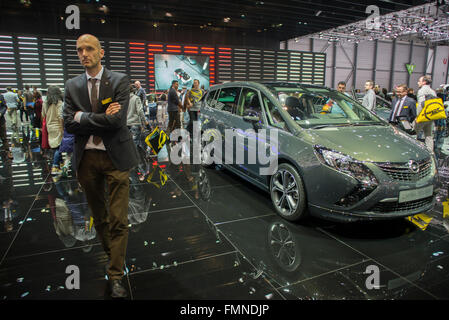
[284, 192]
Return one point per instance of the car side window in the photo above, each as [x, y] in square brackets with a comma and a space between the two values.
[274, 117]
[210, 100]
[227, 99]
[249, 104]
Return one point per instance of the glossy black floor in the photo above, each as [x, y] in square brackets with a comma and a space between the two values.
[198, 233]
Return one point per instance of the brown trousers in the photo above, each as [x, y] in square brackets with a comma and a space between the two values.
[112, 225]
[173, 121]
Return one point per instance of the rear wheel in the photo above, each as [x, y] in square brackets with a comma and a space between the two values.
[287, 193]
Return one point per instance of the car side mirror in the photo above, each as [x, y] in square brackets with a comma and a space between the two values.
[251, 119]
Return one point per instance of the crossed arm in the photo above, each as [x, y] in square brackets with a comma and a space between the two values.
[88, 123]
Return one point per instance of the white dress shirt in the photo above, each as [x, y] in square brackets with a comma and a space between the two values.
[398, 108]
[90, 143]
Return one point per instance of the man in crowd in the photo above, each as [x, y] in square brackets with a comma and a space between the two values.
[369, 100]
[174, 107]
[426, 128]
[341, 87]
[29, 103]
[3, 137]
[403, 107]
[96, 105]
[193, 104]
[12, 100]
[140, 92]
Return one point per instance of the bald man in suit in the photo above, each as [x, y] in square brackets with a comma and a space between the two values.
[95, 110]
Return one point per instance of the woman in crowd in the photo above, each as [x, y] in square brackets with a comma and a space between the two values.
[52, 111]
[21, 106]
[152, 106]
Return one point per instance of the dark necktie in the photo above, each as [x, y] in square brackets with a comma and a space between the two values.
[94, 103]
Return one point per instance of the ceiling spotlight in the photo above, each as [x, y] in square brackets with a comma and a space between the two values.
[155, 25]
[103, 21]
[227, 19]
[243, 16]
[168, 14]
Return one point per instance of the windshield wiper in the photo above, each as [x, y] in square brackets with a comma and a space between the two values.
[368, 124]
[332, 125]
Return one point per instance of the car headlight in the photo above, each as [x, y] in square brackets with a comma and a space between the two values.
[347, 165]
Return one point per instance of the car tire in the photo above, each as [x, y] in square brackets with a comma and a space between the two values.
[288, 193]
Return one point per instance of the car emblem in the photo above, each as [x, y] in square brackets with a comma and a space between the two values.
[413, 165]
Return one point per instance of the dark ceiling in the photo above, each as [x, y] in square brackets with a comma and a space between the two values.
[261, 23]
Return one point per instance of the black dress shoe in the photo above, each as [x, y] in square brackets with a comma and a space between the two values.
[117, 289]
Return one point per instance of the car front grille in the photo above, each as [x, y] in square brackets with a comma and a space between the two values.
[402, 172]
[385, 207]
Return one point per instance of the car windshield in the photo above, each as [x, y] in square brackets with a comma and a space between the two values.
[314, 107]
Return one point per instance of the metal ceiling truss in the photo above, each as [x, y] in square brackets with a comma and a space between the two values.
[427, 23]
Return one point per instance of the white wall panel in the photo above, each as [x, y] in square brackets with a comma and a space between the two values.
[365, 55]
[302, 45]
[382, 78]
[440, 71]
[384, 52]
[430, 58]
[402, 56]
[345, 55]
[418, 56]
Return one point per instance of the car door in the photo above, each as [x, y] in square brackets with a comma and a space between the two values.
[222, 114]
[248, 115]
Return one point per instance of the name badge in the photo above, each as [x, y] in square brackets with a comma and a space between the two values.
[105, 101]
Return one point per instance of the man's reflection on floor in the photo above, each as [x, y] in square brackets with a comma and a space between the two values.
[9, 206]
[71, 216]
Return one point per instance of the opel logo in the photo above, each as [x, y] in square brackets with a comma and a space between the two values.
[413, 166]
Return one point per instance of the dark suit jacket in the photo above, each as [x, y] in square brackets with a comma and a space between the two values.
[3, 108]
[408, 109]
[112, 129]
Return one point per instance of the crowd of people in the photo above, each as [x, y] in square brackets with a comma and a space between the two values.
[406, 105]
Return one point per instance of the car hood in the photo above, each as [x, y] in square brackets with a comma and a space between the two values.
[370, 143]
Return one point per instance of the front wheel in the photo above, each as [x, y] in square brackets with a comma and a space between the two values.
[288, 194]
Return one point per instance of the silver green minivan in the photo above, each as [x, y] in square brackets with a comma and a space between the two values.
[335, 159]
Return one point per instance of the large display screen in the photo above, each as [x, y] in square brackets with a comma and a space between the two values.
[185, 69]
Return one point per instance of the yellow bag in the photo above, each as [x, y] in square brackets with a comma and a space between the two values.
[433, 110]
